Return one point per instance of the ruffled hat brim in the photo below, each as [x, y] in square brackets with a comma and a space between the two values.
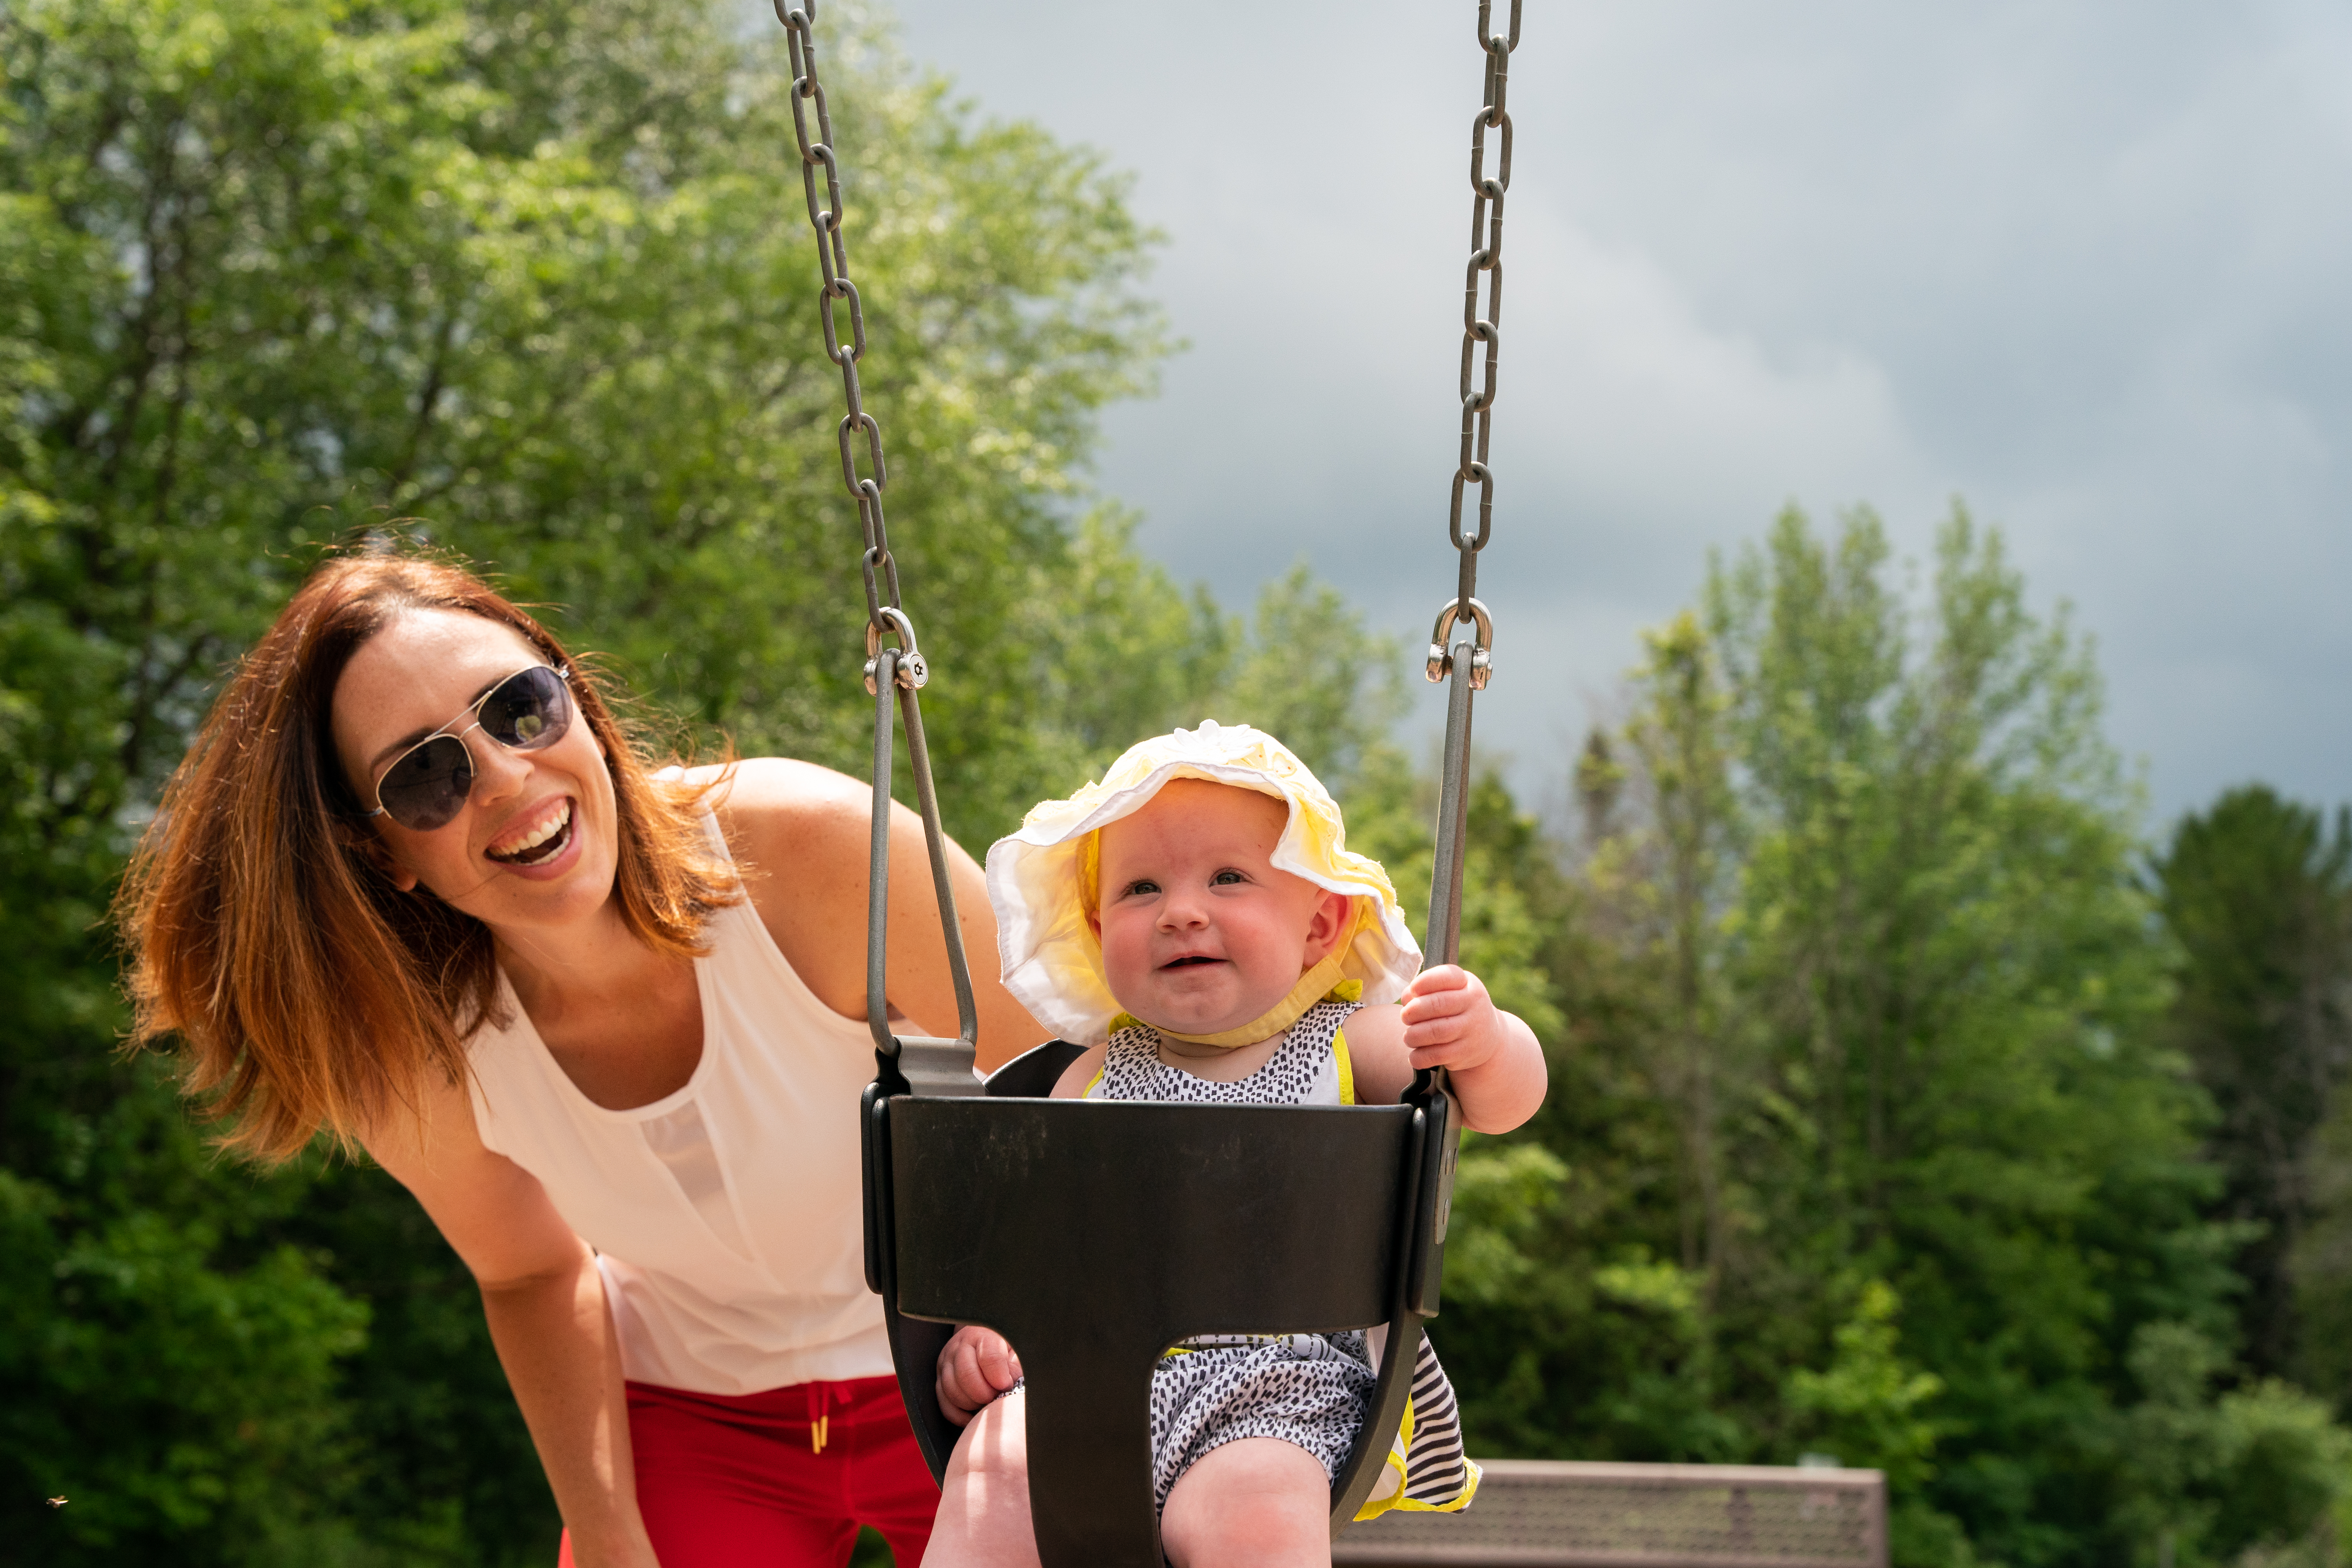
[1052, 959]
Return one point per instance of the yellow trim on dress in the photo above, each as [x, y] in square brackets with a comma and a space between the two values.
[1395, 1461]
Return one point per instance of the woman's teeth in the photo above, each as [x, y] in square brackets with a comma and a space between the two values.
[550, 835]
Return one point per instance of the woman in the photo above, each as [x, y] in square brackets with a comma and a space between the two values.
[415, 886]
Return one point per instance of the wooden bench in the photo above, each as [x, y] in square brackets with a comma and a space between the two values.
[1533, 1514]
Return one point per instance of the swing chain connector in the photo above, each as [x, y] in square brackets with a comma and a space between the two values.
[1441, 645]
[913, 671]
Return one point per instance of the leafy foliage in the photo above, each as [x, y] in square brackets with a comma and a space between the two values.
[1869, 1137]
[274, 269]
[1897, 1113]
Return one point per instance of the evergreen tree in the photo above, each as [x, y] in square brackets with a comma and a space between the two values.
[2258, 893]
[1865, 1135]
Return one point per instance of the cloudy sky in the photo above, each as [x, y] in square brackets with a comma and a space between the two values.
[2070, 260]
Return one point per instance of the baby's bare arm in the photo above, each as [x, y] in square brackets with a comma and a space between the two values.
[1072, 1084]
[1447, 1020]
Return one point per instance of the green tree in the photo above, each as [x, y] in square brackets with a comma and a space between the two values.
[1958, 990]
[2257, 892]
[2256, 1475]
[1664, 886]
[1132, 654]
[2321, 1264]
[273, 269]
[1865, 1131]
[1867, 1403]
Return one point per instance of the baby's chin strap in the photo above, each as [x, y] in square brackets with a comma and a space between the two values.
[1319, 983]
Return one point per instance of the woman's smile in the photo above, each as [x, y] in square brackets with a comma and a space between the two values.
[547, 835]
[543, 816]
[549, 850]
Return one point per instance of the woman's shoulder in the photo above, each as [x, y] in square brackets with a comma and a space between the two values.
[800, 833]
[787, 783]
[765, 804]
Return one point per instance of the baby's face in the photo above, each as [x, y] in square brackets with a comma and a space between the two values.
[1200, 932]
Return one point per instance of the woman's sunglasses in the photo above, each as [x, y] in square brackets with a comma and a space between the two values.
[426, 785]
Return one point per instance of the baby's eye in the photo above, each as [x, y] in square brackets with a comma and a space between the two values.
[1144, 889]
[1228, 878]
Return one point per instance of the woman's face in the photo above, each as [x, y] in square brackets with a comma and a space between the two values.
[535, 842]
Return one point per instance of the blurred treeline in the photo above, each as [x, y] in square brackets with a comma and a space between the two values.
[1912, 1110]
[1909, 1107]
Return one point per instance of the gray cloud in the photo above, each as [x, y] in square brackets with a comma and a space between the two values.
[2080, 262]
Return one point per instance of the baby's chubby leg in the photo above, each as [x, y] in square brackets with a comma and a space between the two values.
[1255, 1503]
[984, 1518]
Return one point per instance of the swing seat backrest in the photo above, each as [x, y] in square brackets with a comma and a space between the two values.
[1094, 1235]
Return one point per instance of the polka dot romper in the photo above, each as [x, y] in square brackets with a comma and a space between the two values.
[1313, 1391]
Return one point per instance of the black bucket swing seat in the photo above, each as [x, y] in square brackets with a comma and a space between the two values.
[1095, 1235]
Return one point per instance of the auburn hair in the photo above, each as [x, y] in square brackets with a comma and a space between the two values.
[312, 993]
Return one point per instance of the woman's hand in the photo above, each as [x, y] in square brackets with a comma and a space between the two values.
[977, 1365]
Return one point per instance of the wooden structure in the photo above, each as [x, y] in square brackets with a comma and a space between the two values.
[1533, 1514]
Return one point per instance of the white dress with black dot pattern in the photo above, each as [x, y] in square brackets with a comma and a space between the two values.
[1313, 1391]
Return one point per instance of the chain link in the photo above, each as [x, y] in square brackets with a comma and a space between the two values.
[1480, 329]
[885, 615]
[893, 674]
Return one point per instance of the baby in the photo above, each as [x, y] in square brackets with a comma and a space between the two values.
[1197, 917]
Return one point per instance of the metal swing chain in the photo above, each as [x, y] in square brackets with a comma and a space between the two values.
[901, 669]
[1463, 613]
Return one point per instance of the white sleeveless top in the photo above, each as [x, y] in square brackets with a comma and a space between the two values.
[727, 1217]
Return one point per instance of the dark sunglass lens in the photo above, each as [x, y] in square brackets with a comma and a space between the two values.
[527, 710]
[425, 788]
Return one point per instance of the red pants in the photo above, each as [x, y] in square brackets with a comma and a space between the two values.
[779, 1479]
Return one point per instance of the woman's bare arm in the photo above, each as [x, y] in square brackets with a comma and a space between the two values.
[545, 1303]
[806, 829]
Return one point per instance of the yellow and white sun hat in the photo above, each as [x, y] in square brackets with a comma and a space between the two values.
[1038, 877]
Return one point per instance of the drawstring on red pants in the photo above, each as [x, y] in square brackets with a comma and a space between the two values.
[821, 1395]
